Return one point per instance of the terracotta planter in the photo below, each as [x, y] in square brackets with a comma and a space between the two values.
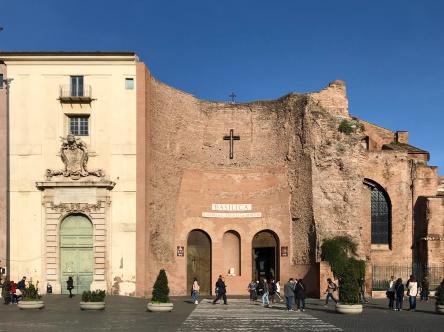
[440, 309]
[349, 309]
[31, 304]
[160, 307]
[92, 305]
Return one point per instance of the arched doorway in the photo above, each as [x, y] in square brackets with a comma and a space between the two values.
[76, 252]
[265, 255]
[199, 260]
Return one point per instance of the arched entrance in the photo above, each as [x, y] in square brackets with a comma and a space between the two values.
[76, 252]
[265, 255]
[199, 260]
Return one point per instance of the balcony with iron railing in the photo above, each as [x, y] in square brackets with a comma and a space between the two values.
[75, 94]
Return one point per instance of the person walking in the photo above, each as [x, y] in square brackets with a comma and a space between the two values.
[399, 292]
[221, 290]
[252, 290]
[391, 292]
[70, 286]
[195, 291]
[425, 289]
[412, 290]
[289, 294]
[331, 288]
[265, 300]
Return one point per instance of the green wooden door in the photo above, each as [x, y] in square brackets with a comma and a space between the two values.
[76, 253]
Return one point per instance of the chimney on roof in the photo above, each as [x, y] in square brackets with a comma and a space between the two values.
[402, 137]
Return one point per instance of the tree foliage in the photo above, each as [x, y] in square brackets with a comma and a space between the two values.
[340, 253]
[160, 288]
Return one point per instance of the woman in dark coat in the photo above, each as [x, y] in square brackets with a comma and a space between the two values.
[70, 285]
[299, 293]
[399, 292]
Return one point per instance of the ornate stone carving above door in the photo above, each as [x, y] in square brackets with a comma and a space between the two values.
[74, 155]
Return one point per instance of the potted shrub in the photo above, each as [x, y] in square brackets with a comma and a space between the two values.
[160, 301]
[93, 300]
[439, 295]
[31, 298]
[340, 253]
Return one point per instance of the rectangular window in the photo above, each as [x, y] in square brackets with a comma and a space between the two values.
[76, 86]
[1, 81]
[79, 125]
[129, 83]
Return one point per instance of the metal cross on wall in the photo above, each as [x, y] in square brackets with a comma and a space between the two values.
[231, 138]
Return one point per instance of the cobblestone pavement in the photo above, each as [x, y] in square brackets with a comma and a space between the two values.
[241, 315]
[62, 314]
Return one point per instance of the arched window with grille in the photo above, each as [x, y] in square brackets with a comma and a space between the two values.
[381, 213]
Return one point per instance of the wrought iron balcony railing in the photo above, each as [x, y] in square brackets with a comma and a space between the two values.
[73, 94]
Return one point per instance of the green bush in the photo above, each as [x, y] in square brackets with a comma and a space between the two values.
[94, 296]
[340, 253]
[31, 292]
[346, 127]
[160, 288]
[440, 294]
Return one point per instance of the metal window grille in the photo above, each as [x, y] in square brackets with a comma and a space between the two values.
[380, 217]
[79, 126]
[381, 274]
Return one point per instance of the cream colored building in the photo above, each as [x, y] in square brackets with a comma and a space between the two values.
[70, 222]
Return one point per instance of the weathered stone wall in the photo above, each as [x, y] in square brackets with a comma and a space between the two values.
[435, 231]
[309, 180]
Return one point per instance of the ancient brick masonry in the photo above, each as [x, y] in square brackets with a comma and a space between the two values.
[308, 181]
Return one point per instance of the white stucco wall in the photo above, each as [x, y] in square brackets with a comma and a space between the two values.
[38, 120]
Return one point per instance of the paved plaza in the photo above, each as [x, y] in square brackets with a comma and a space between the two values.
[129, 314]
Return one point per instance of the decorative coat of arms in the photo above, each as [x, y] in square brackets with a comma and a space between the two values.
[74, 155]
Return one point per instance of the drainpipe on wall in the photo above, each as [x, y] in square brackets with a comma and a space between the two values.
[412, 187]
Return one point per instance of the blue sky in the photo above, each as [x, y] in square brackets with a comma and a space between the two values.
[390, 53]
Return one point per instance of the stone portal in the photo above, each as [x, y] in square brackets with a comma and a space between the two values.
[199, 260]
[265, 256]
[76, 253]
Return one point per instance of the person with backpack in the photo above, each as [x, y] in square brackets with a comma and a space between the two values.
[331, 288]
[252, 290]
[299, 293]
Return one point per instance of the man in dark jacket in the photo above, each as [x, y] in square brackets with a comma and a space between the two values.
[289, 294]
[221, 290]
[299, 293]
[22, 283]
